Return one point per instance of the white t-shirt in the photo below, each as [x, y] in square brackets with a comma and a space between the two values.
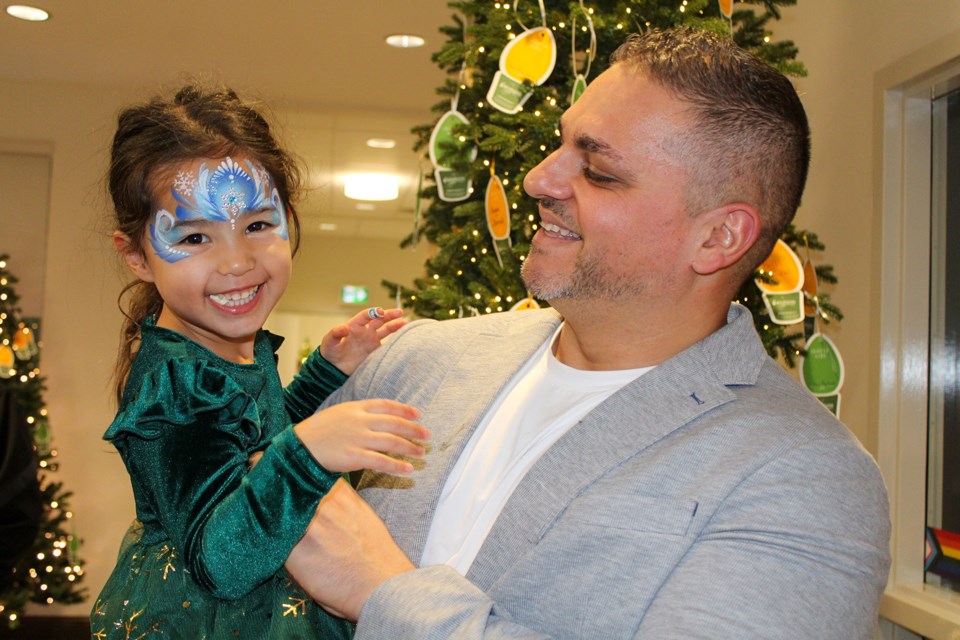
[544, 400]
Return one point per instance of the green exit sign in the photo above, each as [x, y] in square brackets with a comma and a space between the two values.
[352, 294]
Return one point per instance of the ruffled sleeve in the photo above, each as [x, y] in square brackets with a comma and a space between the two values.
[186, 441]
[316, 380]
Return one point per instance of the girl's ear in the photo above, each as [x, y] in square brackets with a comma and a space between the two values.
[727, 233]
[133, 257]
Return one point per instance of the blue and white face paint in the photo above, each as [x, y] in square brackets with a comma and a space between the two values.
[224, 195]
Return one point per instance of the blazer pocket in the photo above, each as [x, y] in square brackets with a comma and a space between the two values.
[633, 513]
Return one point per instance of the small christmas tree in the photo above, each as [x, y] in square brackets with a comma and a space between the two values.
[50, 571]
[476, 269]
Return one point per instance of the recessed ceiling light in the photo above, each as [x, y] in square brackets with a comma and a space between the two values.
[327, 226]
[365, 206]
[371, 186]
[405, 41]
[381, 143]
[32, 14]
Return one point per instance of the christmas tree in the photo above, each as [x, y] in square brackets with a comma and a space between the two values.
[48, 570]
[483, 232]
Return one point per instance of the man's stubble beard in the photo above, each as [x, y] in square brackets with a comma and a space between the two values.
[590, 279]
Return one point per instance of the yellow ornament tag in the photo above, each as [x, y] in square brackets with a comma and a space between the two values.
[530, 57]
[525, 305]
[809, 289]
[6, 361]
[783, 296]
[498, 213]
[24, 343]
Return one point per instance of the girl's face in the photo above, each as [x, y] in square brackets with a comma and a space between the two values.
[217, 249]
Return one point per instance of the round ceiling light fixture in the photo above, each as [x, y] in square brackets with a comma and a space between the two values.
[405, 41]
[24, 12]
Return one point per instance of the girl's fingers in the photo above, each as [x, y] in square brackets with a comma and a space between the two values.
[390, 407]
[390, 327]
[386, 464]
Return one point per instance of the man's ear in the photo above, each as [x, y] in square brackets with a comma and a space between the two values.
[132, 256]
[726, 234]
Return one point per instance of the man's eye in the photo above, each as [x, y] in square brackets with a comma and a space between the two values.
[592, 176]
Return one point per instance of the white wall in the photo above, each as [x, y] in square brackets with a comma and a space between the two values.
[842, 42]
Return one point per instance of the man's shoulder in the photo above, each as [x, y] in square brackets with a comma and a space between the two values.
[492, 323]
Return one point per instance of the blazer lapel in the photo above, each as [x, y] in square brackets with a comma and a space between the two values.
[643, 412]
[465, 394]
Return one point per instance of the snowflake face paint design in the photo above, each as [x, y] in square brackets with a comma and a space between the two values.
[222, 196]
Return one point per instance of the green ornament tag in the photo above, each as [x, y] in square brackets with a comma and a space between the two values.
[452, 186]
[445, 147]
[822, 367]
[579, 86]
[506, 94]
[785, 308]
[832, 403]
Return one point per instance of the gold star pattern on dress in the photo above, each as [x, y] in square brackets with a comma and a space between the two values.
[132, 628]
[170, 555]
[98, 608]
[296, 606]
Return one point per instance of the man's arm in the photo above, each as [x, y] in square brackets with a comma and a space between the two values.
[346, 553]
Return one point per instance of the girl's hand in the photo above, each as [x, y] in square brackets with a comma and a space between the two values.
[364, 434]
[346, 345]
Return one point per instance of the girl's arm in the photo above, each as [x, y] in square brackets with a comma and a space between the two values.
[187, 450]
[342, 349]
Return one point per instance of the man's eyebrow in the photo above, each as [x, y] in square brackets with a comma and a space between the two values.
[593, 145]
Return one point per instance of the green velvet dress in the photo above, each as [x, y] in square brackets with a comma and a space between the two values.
[204, 558]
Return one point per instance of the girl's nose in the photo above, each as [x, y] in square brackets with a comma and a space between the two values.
[236, 258]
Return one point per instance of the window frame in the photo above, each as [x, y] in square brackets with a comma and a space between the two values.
[903, 96]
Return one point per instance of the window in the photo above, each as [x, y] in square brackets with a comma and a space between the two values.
[916, 347]
[942, 563]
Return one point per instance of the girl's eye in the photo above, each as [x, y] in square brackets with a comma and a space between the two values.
[259, 225]
[193, 238]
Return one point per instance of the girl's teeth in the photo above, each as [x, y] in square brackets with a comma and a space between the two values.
[235, 298]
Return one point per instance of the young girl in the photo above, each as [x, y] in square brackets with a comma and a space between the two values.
[204, 196]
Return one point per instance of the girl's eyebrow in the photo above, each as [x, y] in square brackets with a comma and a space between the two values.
[201, 220]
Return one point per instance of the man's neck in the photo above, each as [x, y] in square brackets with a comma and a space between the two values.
[608, 336]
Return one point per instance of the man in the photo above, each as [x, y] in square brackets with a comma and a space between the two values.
[630, 463]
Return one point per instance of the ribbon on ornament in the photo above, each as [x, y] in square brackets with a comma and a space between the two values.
[580, 79]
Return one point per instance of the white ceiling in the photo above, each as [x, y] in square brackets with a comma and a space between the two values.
[322, 64]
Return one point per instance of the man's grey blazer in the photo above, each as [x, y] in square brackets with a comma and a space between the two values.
[713, 497]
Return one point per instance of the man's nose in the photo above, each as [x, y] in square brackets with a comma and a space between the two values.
[551, 178]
